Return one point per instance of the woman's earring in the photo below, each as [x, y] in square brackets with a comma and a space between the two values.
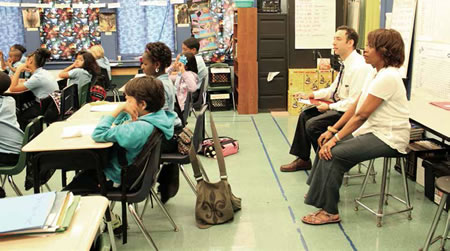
[157, 70]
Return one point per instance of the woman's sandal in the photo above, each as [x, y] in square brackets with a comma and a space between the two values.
[321, 218]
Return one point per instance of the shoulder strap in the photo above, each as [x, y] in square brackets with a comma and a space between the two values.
[218, 147]
[195, 163]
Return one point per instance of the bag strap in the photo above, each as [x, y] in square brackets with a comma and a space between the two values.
[196, 164]
[218, 147]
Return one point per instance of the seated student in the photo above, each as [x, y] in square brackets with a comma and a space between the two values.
[185, 77]
[193, 46]
[83, 71]
[41, 83]
[15, 58]
[10, 134]
[129, 126]
[99, 55]
[376, 125]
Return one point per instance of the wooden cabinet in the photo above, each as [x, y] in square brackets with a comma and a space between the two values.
[245, 60]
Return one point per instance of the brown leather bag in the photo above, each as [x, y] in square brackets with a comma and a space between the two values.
[215, 203]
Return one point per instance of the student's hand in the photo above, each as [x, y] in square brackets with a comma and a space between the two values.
[301, 95]
[323, 107]
[22, 68]
[9, 63]
[324, 137]
[131, 109]
[325, 150]
[181, 67]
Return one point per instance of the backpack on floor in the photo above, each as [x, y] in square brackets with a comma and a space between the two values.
[229, 146]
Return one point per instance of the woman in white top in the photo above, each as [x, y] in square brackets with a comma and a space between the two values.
[41, 83]
[376, 125]
[83, 71]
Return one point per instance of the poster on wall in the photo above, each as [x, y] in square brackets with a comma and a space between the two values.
[65, 31]
[31, 18]
[107, 22]
[204, 27]
[181, 15]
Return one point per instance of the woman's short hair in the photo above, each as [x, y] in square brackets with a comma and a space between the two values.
[389, 44]
[148, 89]
[97, 51]
[159, 52]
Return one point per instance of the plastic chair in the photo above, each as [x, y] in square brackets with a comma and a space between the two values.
[201, 99]
[69, 101]
[180, 159]
[137, 180]
[84, 94]
[187, 108]
[384, 191]
[31, 131]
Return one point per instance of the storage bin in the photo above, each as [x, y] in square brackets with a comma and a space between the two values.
[220, 101]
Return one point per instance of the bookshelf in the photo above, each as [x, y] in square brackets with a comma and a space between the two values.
[245, 60]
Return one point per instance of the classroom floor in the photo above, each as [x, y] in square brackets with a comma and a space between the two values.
[272, 202]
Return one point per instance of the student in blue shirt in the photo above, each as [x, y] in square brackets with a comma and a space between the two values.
[155, 60]
[41, 83]
[10, 134]
[15, 58]
[193, 46]
[83, 71]
[99, 55]
[129, 126]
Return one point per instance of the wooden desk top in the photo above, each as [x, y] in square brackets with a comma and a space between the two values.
[434, 118]
[50, 139]
[85, 114]
[79, 236]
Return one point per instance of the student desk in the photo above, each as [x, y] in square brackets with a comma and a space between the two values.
[79, 236]
[77, 153]
[21, 98]
[85, 114]
[433, 118]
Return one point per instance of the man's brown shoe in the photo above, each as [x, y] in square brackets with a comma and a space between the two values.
[296, 165]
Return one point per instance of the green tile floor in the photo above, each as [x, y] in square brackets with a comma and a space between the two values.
[272, 202]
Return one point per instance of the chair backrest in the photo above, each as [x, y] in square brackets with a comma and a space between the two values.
[33, 129]
[103, 79]
[84, 94]
[140, 174]
[199, 131]
[201, 99]
[69, 100]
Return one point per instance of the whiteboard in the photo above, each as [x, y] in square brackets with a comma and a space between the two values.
[402, 20]
[431, 58]
[315, 23]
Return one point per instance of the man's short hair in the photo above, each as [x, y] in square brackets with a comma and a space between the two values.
[351, 34]
[192, 43]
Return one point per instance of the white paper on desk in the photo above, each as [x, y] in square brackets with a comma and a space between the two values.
[113, 64]
[104, 108]
[77, 131]
[271, 75]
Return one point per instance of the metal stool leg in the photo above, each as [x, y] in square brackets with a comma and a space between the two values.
[445, 235]
[363, 188]
[434, 225]
[388, 181]
[382, 192]
[405, 186]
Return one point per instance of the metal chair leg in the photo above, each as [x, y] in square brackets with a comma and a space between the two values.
[405, 186]
[363, 188]
[434, 225]
[382, 192]
[110, 228]
[163, 208]
[14, 186]
[388, 181]
[189, 181]
[141, 226]
[145, 207]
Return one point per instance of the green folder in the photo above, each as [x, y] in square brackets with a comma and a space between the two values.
[69, 215]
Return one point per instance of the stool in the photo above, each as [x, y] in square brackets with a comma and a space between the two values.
[384, 191]
[443, 185]
[348, 176]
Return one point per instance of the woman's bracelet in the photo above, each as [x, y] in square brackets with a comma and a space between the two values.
[332, 129]
[337, 137]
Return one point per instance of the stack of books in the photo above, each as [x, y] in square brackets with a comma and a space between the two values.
[42, 213]
[416, 132]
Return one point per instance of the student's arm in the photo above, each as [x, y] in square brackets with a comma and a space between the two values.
[368, 107]
[65, 73]
[16, 85]
[190, 79]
